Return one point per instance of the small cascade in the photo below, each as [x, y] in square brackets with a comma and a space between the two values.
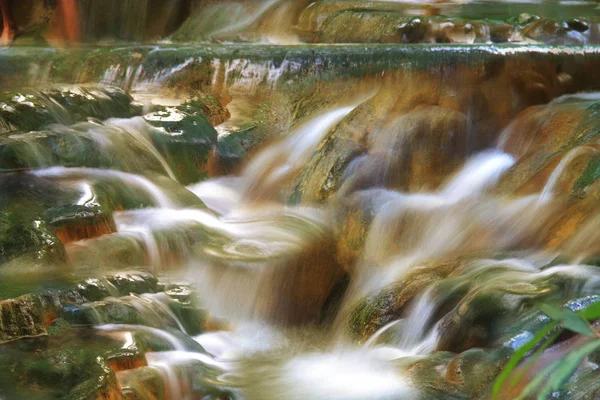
[143, 184]
[560, 169]
[280, 199]
[271, 169]
[222, 195]
[268, 20]
[415, 325]
[173, 341]
[135, 128]
[126, 141]
[412, 228]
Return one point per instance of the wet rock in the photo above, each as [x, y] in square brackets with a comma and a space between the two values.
[178, 144]
[302, 284]
[369, 27]
[360, 26]
[468, 375]
[232, 150]
[28, 238]
[142, 383]
[75, 204]
[212, 107]
[32, 314]
[186, 307]
[473, 371]
[21, 318]
[27, 230]
[188, 142]
[373, 312]
[103, 312]
[69, 365]
[324, 174]
[560, 32]
[584, 387]
[106, 252]
[79, 223]
[486, 315]
[429, 374]
[288, 285]
[429, 142]
[395, 129]
[353, 220]
[187, 378]
[501, 33]
[256, 120]
[314, 17]
[104, 386]
[557, 139]
[134, 283]
[241, 21]
[156, 310]
[32, 111]
[116, 144]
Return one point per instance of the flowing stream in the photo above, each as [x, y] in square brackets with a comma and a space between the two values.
[297, 200]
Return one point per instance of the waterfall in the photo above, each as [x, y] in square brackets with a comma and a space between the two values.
[296, 199]
[270, 169]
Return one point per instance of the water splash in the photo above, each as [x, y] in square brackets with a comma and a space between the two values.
[344, 375]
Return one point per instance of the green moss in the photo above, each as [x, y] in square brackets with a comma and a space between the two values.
[589, 176]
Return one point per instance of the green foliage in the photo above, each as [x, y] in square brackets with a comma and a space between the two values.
[554, 376]
[568, 319]
[518, 356]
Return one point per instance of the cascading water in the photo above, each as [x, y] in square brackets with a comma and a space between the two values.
[349, 219]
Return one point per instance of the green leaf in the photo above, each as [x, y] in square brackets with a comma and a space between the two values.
[568, 319]
[553, 312]
[533, 385]
[535, 356]
[591, 312]
[567, 367]
[518, 356]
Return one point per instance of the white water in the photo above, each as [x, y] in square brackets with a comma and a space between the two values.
[142, 183]
[351, 375]
[171, 339]
[238, 265]
[270, 169]
[368, 372]
[548, 190]
[339, 373]
[221, 195]
[137, 129]
[413, 227]
[241, 16]
[479, 173]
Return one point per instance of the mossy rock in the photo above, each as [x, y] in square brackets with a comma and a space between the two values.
[188, 140]
[32, 314]
[325, 172]
[556, 129]
[68, 366]
[39, 214]
[24, 112]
